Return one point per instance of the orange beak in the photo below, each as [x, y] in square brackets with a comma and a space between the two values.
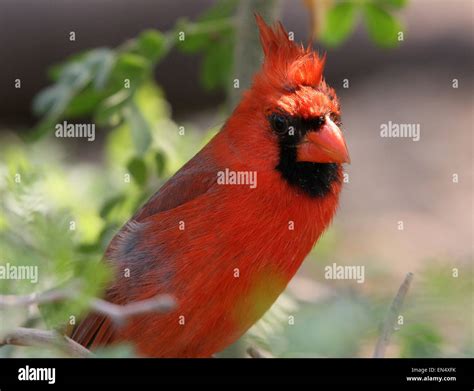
[327, 145]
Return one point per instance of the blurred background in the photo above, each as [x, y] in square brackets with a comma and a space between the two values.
[408, 62]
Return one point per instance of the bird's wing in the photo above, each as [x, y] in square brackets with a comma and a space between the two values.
[191, 181]
[187, 184]
[95, 330]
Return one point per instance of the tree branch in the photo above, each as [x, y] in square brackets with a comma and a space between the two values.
[120, 313]
[117, 313]
[34, 337]
[50, 296]
[391, 318]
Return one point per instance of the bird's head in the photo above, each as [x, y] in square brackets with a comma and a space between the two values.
[297, 113]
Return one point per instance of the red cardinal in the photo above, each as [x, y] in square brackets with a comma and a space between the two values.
[229, 230]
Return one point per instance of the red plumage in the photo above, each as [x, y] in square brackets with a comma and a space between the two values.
[227, 228]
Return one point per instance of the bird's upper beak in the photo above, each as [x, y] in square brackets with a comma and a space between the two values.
[326, 145]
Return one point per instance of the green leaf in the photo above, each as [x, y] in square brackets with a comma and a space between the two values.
[160, 163]
[110, 204]
[137, 168]
[130, 66]
[40, 129]
[141, 132]
[103, 62]
[51, 100]
[109, 111]
[393, 3]
[88, 248]
[152, 45]
[339, 23]
[134, 63]
[54, 72]
[51, 104]
[193, 42]
[222, 9]
[212, 34]
[217, 66]
[84, 103]
[202, 35]
[383, 28]
[75, 75]
[118, 147]
[211, 26]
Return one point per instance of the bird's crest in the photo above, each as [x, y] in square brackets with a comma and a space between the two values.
[286, 63]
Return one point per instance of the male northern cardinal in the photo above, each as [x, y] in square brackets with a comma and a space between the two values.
[225, 251]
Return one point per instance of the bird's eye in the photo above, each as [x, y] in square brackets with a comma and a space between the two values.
[279, 123]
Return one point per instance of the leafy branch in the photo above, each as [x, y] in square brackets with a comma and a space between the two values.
[102, 82]
[334, 21]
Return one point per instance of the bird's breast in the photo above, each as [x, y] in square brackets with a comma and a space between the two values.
[226, 257]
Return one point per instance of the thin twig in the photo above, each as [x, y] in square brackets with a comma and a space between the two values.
[117, 313]
[35, 298]
[120, 313]
[34, 337]
[391, 318]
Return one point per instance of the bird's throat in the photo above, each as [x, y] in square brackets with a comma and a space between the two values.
[313, 179]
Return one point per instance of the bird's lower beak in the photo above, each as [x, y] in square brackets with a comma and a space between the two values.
[326, 145]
